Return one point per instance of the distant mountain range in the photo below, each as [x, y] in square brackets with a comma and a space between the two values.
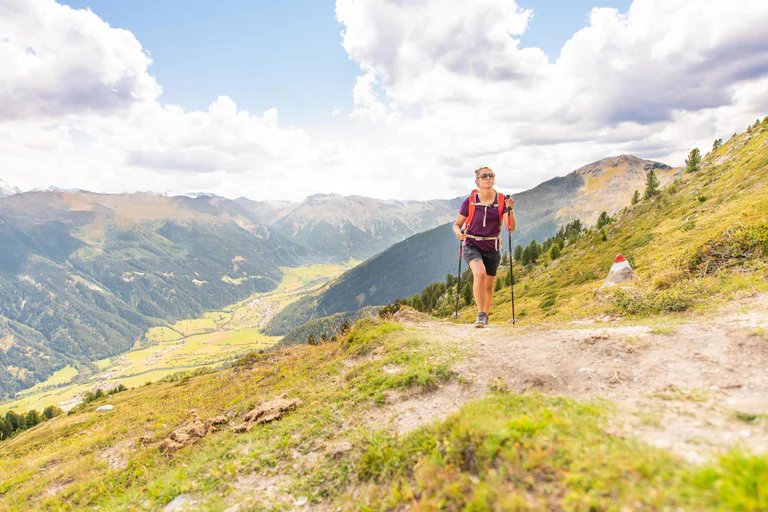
[408, 267]
[7, 190]
[343, 227]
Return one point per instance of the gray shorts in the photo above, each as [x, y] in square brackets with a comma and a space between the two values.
[491, 259]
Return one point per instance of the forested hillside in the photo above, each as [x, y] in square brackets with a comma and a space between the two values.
[83, 275]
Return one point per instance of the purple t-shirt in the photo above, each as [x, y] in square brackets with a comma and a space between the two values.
[492, 224]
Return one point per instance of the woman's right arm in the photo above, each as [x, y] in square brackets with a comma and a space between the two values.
[457, 227]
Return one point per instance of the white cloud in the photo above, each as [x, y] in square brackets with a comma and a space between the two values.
[58, 61]
[444, 88]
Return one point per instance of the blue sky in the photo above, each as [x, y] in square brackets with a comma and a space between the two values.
[285, 54]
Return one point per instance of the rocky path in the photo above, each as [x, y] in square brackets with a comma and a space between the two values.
[693, 385]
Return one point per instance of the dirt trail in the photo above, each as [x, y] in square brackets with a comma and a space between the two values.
[677, 385]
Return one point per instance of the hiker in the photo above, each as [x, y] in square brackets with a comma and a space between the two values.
[483, 213]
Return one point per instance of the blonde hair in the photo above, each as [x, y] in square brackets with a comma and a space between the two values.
[478, 171]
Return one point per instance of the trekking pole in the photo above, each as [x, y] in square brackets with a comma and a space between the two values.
[511, 277]
[511, 273]
[458, 280]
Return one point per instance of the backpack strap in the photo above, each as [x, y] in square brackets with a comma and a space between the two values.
[473, 200]
[502, 202]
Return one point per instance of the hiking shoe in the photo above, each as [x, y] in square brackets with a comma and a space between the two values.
[480, 322]
[486, 320]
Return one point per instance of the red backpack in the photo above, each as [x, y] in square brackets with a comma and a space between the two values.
[474, 198]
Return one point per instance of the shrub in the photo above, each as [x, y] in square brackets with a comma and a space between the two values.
[733, 247]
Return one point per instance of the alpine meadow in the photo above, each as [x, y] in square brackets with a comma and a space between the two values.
[503, 255]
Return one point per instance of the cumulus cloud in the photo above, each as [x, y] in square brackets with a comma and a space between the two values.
[58, 61]
[445, 86]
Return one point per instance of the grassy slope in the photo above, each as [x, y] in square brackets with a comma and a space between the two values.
[502, 452]
[660, 238]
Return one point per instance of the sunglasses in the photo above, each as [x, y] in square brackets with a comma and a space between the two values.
[487, 176]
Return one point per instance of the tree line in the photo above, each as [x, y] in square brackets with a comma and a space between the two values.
[13, 423]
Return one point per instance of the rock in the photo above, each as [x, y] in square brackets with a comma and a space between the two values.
[621, 272]
[105, 408]
[271, 411]
[339, 448]
[301, 501]
[194, 429]
[180, 502]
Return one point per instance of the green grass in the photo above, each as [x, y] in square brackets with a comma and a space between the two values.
[60, 377]
[162, 335]
[510, 452]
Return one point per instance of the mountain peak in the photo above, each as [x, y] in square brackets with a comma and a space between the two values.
[7, 189]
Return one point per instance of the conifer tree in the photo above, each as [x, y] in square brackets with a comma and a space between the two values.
[417, 303]
[693, 162]
[33, 418]
[519, 253]
[467, 294]
[5, 429]
[14, 420]
[497, 285]
[651, 185]
[554, 252]
[526, 256]
[311, 340]
[603, 220]
[505, 258]
[717, 144]
[636, 197]
[52, 411]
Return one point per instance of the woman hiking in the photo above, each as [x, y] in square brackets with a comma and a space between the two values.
[483, 213]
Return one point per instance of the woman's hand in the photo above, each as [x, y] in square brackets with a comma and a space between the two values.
[510, 203]
[461, 236]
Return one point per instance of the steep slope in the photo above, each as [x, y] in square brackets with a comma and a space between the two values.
[408, 267]
[90, 272]
[343, 227]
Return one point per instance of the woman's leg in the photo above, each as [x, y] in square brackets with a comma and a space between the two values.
[479, 286]
[489, 280]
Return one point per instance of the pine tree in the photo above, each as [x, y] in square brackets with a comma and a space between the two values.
[311, 340]
[345, 327]
[51, 412]
[651, 185]
[603, 220]
[5, 429]
[554, 252]
[14, 420]
[497, 285]
[693, 162]
[636, 197]
[717, 144]
[467, 294]
[417, 303]
[505, 259]
[519, 253]
[526, 256]
[33, 418]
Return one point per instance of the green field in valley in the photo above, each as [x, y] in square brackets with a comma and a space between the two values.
[216, 339]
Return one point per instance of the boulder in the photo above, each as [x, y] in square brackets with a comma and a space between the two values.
[621, 272]
[105, 408]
